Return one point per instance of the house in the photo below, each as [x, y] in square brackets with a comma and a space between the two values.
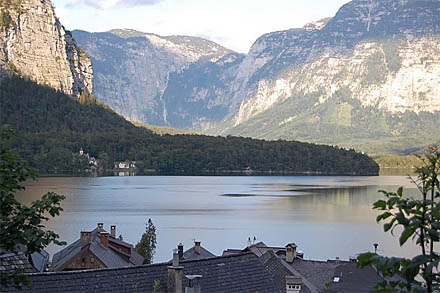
[125, 165]
[196, 252]
[243, 272]
[96, 249]
[316, 276]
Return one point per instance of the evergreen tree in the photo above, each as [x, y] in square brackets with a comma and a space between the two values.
[147, 245]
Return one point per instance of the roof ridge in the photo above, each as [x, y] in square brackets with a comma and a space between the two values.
[140, 266]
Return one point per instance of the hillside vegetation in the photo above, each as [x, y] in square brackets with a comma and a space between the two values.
[54, 126]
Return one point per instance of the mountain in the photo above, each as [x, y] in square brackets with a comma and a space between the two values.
[45, 95]
[366, 78]
[133, 69]
[35, 44]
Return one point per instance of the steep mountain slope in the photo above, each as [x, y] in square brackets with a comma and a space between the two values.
[36, 45]
[132, 70]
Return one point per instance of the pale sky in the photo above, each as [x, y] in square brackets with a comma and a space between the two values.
[235, 24]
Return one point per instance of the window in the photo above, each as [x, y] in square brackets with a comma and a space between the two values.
[92, 260]
[84, 260]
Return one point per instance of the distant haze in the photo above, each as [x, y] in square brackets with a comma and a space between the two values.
[231, 23]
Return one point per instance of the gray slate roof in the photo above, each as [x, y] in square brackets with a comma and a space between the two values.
[278, 271]
[10, 262]
[191, 254]
[321, 273]
[39, 260]
[354, 279]
[109, 256]
[238, 273]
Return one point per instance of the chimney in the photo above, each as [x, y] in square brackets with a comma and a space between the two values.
[193, 284]
[197, 247]
[293, 284]
[175, 274]
[104, 238]
[113, 231]
[290, 252]
[100, 227]
[85, 238]
[180, 250]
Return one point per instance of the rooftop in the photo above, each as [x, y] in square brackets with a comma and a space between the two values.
[237, 273]
[110, 256]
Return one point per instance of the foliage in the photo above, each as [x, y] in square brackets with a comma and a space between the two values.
[419, 220]
[55, 126]
[86, 98]
[156, 286]
[394, 161]
[392, 57]
[5, 20]
[163, 130]
[375, 69]
[22, 225]
[147, 245]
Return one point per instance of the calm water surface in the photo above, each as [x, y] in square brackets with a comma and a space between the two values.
[326, 217]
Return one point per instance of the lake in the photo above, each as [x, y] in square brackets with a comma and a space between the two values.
[327, 217]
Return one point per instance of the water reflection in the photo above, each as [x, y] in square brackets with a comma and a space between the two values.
[325, 216]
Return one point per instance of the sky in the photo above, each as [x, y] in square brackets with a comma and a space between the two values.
[235, 24]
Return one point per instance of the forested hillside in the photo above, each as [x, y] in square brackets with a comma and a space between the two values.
[53, 127]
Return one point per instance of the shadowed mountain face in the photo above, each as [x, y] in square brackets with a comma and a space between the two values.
[366, 78]
[134, 71]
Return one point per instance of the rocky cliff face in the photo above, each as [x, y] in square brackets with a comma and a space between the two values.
[35, 44]
[377, 55]
[133, 69]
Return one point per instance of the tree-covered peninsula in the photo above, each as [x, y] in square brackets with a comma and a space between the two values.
[54, 127]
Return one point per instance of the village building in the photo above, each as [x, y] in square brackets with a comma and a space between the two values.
[125, 165]
[197, 252]
[92, 161]
[256, 268]
[96, 249]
